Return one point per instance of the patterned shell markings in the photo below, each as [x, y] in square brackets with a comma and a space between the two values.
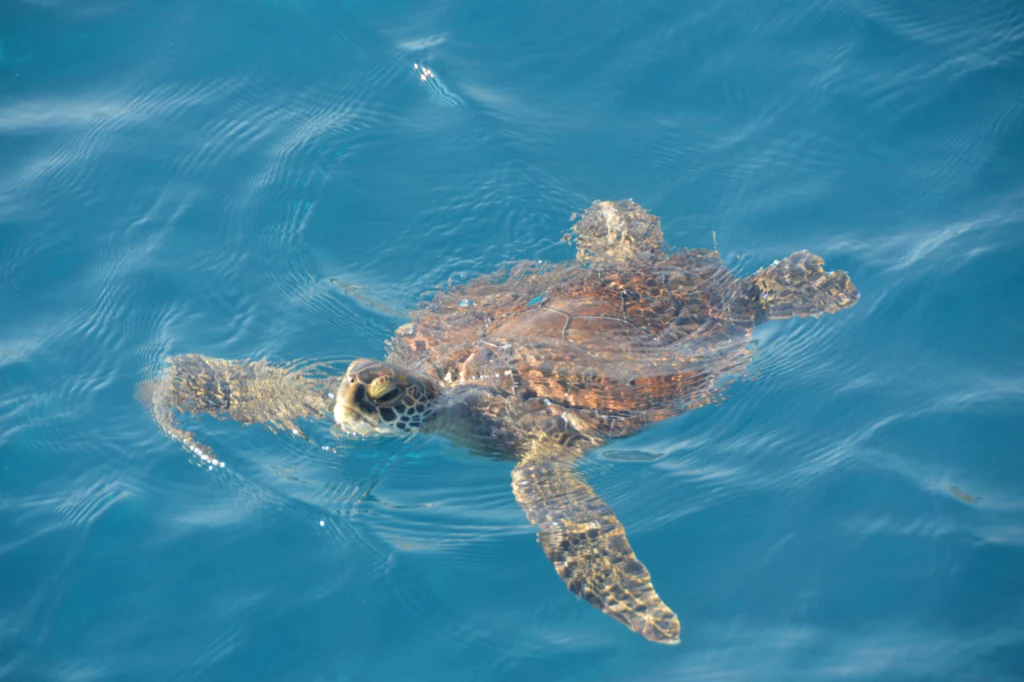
[622, 335]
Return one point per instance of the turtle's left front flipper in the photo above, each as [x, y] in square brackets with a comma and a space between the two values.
[587, 544]
[249, 392]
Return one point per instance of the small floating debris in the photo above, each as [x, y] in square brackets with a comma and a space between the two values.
[321, 523]
[962, 496]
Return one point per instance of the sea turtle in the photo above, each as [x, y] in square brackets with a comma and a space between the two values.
[541, 362]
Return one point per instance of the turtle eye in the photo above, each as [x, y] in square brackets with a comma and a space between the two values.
[384, 389]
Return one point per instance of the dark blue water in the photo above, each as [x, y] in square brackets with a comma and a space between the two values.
[248, 178]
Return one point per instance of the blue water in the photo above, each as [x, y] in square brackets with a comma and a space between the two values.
[247, 178]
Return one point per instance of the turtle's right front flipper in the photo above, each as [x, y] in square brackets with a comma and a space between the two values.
[249, 392]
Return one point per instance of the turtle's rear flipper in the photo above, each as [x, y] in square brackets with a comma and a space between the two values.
[799, 286]
[585, 541]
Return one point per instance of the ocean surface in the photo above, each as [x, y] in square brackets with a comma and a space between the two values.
[287, 179]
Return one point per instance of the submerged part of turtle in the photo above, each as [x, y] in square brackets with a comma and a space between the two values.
[541, 362]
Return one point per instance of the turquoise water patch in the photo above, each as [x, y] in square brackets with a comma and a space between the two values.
[277, 179]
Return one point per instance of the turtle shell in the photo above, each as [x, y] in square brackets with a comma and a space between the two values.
[611, 342]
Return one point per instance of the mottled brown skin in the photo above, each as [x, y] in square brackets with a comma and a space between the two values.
[244, 391]
[541, 363]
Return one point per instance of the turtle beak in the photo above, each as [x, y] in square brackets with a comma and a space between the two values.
[352, 419]
[348, 414]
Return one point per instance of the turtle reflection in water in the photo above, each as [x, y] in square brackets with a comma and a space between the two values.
[541, 362]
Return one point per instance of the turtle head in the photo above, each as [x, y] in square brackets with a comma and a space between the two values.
[375, 398]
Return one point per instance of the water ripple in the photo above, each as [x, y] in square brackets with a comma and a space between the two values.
[284, 179]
